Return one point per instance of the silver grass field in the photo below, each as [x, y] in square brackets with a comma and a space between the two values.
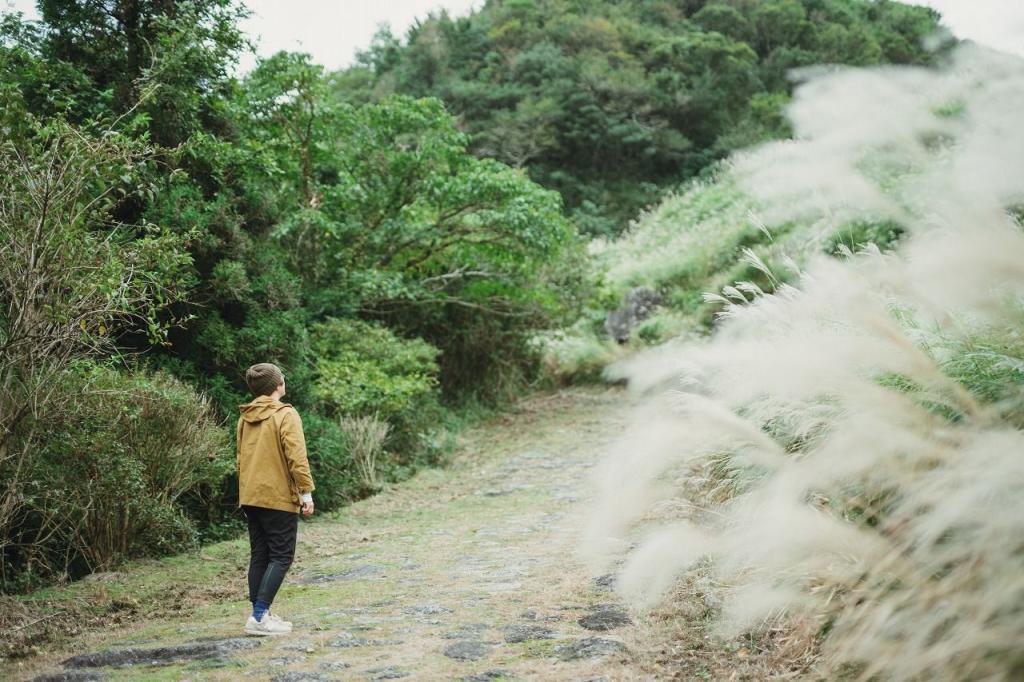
[844, 457]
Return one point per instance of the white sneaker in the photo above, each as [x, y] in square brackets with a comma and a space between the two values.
[268, 627]
[274, 616]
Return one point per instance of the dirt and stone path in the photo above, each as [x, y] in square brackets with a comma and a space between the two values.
[466, 573]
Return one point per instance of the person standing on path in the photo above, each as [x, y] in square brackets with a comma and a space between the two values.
[274, 483]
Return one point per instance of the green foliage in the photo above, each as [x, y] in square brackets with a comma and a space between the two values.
[382, 202]
[706, 238]
[364, 369]
[279, 207]
[73, 280]
[179, 51]
[859, 234]
[121, 466]
[337, 480]
[611, 102]
[31, 83]
[575, 356]
[432, 189]
[386, 214]
[727, 20]
[991, 367]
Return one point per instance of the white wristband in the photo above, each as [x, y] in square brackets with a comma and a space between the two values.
[307, 498]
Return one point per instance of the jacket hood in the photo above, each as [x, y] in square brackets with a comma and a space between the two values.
[261, 408]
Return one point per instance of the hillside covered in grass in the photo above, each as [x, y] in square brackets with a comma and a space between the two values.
[710, 244]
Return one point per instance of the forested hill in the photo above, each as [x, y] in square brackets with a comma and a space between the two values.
[610, 101]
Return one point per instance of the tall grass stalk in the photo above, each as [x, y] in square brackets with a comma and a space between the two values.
[366, 436]
[832, 454]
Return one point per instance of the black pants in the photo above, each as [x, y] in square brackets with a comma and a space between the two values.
[272, 536]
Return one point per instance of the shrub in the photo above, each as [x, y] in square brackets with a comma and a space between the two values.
[121, 465]
[337, 479]
[364, 369]
[385, 213]
[72, 278]
[574, 356]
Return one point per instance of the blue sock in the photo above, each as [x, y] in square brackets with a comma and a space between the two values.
[259, 609]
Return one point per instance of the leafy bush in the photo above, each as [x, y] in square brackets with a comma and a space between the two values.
[383, 212]
[122, 464]
[364, 369]
[337, 479]
[72, 278]
[574, 356]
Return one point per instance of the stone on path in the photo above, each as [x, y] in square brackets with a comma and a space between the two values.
[216, 649]
[590, 647]
[470, 631]
[386, 673]
[488, 676]
[531, 614]
[467, 650]
[346, 640]
[426, 610]
[368, 572]
[303, 645]
[605, 619]
[299, 676]
[515, 634]
[501, 492]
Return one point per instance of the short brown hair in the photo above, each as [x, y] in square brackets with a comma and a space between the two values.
[264, 378]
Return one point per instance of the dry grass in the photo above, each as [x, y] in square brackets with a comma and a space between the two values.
[366, 437]
[857, 504]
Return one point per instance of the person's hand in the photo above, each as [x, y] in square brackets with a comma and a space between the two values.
[307, 508]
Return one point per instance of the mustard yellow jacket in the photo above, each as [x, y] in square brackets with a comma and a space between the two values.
[273, 470]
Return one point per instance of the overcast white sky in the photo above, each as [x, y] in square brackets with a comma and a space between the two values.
[333, 30]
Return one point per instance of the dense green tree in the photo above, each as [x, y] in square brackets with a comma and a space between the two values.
[610, 102]
[184, 48]
[385, 214]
